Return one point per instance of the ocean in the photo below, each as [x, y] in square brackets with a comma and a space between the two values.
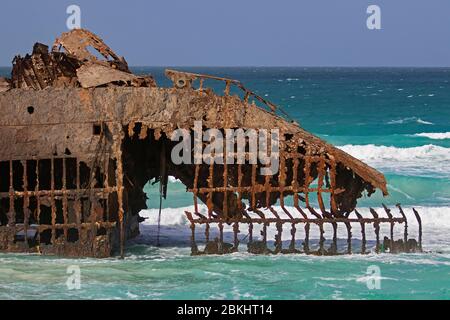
[395, 119]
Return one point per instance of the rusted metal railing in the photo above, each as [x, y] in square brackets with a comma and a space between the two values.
[185, 80]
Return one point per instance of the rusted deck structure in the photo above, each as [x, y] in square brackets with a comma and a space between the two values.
[81, 136]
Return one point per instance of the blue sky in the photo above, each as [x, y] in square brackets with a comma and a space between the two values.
[240, 33]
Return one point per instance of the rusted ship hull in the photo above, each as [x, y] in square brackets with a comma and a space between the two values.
[81, 138]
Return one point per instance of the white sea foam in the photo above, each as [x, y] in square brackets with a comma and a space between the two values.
[173, 179]
[434, 135]
[438, 217]
[410, 120]
[169, 216]
[422, 160]
[423, 121]
[175, 227]
[372, 152]
[391, 187]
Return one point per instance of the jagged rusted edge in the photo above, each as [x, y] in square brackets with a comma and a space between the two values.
[77, 41]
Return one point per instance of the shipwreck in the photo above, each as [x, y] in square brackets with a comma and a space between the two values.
[81, 135]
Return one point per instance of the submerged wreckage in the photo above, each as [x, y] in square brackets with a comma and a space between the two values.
[81, 136]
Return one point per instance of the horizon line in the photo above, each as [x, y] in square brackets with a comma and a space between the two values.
[281, 66]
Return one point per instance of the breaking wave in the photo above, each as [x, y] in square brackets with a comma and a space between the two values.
[436, 217]
[421, 160]
[175, 228]
[372, 152]
[434, 135]
[410, 120]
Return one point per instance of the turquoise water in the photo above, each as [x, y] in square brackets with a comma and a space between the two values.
[397, 120]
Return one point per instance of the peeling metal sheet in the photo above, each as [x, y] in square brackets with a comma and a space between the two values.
[95, 75]
[82, 44]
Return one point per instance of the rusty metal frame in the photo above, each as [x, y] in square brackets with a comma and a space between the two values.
[182, 80]
[326, 184]
[293, 221]
[87, 221]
